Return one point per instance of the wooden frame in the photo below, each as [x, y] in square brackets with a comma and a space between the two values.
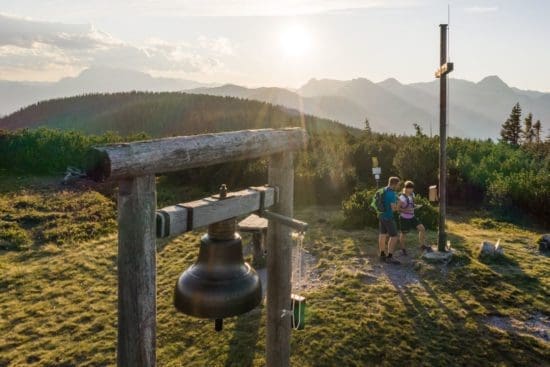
[134, 166]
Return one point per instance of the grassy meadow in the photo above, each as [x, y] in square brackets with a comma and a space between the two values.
[58, 296]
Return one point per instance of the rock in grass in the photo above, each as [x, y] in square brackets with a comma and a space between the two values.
[489, 248]
[438, 256]
[544, 243]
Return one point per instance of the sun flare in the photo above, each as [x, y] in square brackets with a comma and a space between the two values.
[295, 41]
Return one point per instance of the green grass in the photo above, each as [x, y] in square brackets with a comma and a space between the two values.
[58, 296]
[34, 217]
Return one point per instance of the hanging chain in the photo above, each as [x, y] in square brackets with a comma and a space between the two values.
[299, 241]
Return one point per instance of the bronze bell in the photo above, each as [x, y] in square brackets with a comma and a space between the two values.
[220, 284]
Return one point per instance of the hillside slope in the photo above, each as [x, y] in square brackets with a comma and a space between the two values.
[159, 114]
[337, 108]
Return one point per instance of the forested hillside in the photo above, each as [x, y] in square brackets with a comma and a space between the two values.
[159, 114]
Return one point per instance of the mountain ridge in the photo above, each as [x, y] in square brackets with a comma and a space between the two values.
[476, 109]
[15, 95]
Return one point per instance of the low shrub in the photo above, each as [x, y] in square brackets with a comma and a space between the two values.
[357, 211]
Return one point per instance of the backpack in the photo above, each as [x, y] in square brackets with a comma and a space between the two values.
[377, 203]
[408, 200]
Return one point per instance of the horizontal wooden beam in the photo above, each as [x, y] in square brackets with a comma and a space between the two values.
[159, 156]
[444, 69]
[176, 219]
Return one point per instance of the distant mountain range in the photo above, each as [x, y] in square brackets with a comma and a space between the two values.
[16, 95]
[476, 110]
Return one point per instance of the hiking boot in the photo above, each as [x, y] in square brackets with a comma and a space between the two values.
[382, 257]
[391, 260]
[426, 248]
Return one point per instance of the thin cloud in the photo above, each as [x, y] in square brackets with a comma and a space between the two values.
[481, 9]
[262, 8]
[22, 32]
[219, 45]
[38, 46]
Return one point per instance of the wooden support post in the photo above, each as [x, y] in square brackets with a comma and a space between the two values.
[136, 272]
[257, 252]
[279, 260]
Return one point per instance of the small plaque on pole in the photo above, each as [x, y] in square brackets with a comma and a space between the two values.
[432, 193]
[376, 170]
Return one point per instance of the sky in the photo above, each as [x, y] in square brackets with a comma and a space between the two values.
[276, 42]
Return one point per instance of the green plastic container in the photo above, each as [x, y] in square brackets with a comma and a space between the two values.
[298, 305]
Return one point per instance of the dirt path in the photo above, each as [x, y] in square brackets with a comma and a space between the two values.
[537, 325]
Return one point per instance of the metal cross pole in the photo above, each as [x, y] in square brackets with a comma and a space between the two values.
[444, 69]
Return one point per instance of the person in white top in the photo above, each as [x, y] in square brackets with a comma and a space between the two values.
[407, 220]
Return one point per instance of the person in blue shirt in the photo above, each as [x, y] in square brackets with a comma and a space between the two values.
[387, 225]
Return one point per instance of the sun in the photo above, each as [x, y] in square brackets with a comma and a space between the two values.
[295, 40]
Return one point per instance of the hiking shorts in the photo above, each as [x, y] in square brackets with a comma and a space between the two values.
[388, 226]
[407, 225]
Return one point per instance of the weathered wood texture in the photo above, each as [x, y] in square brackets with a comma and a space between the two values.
[176, 219]
[279, 252]
[253, 223]
[183, 152]
[171, 221]
[136, 272]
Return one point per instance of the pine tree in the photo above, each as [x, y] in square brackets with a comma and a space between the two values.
[511, 128]
[528, 133]
[418, 130]
[536, 132]
[368, 130]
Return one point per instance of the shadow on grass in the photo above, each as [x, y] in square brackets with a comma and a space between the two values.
[511, 272]
[440, 325]
[503, 268]
[242, 345]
